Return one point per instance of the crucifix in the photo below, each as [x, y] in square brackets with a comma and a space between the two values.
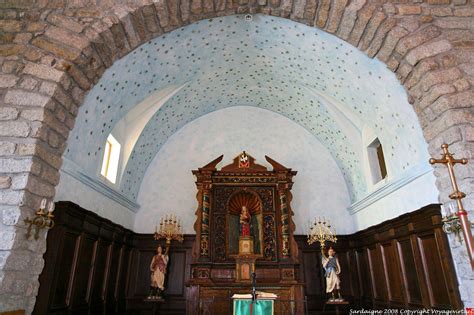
[449, 160]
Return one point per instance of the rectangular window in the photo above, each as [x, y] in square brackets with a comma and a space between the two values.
[378, 167]
[111, 159]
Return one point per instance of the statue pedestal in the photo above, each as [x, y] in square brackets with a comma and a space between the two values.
[245, 245]
[245, 260]
[244, 267]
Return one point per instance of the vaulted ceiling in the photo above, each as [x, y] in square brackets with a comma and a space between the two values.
[324, 84]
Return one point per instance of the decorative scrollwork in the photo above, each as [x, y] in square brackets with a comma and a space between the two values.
[245, 180]
[201, 273]
[221, 197]
[287, 274]
[269, 237]
[266, 195]
[219, 238]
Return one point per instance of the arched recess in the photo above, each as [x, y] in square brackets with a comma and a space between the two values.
[63, 51]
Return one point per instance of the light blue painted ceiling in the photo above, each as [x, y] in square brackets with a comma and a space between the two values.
[322, 83]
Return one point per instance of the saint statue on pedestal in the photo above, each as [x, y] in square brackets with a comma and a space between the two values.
[245, 222]
[158, 271]
[332, 270]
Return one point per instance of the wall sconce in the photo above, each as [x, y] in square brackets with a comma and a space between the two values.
[42, 219]
[451, 223]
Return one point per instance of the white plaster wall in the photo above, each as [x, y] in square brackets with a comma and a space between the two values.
[168, 185]
[414, 195]
[70, 189]
[319, 189]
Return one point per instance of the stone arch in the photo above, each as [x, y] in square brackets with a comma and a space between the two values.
[53, 53]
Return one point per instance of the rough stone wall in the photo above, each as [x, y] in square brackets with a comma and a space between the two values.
[52, 52]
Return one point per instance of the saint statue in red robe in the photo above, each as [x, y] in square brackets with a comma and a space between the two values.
[245, 222]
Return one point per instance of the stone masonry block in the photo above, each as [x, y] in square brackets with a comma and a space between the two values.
[7, 148]
[43, 71]
[36, 114]
[62, 51]
[7, 80]
[14, 129]
[18, 260]
[65, 22]
[67, 38]
[5, 181]
[23, 38]
[28, 83]
[38, 187]
[10, 165]
[10, 25]
[417, 39]
[23, 98]
[10, 216]
[427, 50]
[405, 9]
[8, 113]
[7, 238]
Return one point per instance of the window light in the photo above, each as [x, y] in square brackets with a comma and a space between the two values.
[111, 159]
[378, 167]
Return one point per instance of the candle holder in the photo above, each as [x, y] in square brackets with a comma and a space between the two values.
[451, 223]
[320, 231]
[42, 220]
[170, 228]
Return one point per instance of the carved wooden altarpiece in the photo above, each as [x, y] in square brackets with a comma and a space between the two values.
[221, 194]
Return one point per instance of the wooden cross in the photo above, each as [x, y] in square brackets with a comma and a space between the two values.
[449, 160]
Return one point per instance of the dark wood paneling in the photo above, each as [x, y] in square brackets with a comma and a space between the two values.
[84, 271]
[93, 266]
[60, 298]
[437, 288]
[84, 252]
[409, 273]
[392, 273]
[312, 275]
[378, 275]
[365, 274]
[176, 273]
[402, 263]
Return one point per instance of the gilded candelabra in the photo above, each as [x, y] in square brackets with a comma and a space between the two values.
[42, 219]
[454, 222]
[170, 229]
[320, 231]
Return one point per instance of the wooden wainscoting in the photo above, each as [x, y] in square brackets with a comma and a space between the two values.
[93, 266]
[87, 263]
[401, 263]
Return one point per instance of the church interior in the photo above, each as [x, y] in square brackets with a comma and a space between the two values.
[236, 157]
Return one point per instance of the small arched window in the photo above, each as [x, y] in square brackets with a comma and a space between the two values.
[378, 167]
[111, 159]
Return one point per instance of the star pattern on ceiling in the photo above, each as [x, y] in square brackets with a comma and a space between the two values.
[269, 62]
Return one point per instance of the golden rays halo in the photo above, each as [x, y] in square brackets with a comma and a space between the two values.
[244, 198]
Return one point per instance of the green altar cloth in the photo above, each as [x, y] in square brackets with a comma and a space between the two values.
[259, 307]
